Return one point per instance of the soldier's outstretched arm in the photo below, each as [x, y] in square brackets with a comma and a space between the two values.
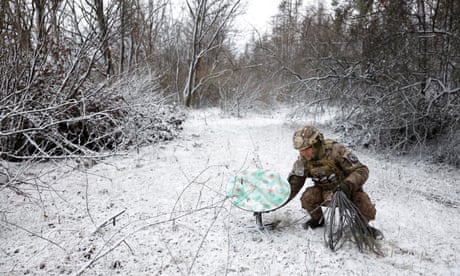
[296, 183]
[296, 178]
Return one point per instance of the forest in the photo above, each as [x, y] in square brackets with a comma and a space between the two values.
[122, 122]
[90, 77]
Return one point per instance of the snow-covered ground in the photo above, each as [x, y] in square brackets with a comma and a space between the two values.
[172, 216]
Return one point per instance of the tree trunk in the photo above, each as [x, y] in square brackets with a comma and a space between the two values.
[423, 50]
[103, 28]
[122, 36]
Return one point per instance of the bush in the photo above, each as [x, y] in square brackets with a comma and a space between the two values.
[41, 124]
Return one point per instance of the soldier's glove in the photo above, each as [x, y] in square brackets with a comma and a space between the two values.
[323, 179]
[345, 187]
[332, 178]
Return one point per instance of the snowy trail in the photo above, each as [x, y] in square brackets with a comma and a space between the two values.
[178, 222]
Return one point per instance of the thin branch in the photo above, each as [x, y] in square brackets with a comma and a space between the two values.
[123, 239]
[105, 222]
[35, 235]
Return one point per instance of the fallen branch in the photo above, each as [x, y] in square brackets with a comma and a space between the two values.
[104, 223]
[35, 234]
[123, 239]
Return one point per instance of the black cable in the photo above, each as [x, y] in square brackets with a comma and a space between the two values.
[345, 221]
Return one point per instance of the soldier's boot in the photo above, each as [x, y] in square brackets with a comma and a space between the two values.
[376, 233]
[313, 224]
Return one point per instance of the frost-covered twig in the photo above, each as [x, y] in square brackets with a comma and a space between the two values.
[86, 197]
[105, 222]
[174, 260]
[123, 239]
[188, 185]
[35, 234]
[205, 236]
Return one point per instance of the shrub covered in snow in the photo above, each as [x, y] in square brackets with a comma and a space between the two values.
[151, 116]
[43, 124]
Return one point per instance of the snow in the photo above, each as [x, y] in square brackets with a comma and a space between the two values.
[173, 217]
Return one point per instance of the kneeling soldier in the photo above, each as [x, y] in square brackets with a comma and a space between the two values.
[332, 167]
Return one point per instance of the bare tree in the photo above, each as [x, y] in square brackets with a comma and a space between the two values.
[53, 101]
[98, 8]
[407, 96]
[210, 21]
[391, 66]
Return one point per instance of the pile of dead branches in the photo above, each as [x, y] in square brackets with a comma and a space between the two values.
[405, 120]
[44, 124]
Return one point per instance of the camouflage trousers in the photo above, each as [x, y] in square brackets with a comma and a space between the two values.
[314, 196]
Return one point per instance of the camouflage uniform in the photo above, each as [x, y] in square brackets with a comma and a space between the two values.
[332, 166]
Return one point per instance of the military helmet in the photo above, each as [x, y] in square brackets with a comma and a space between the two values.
[306, 137]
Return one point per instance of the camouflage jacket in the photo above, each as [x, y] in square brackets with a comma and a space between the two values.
[336, 166]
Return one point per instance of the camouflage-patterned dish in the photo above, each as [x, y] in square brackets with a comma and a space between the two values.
[258, 190]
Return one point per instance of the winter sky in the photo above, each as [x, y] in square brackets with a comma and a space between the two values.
[254, 20]
[257, 17]
[258, 14]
